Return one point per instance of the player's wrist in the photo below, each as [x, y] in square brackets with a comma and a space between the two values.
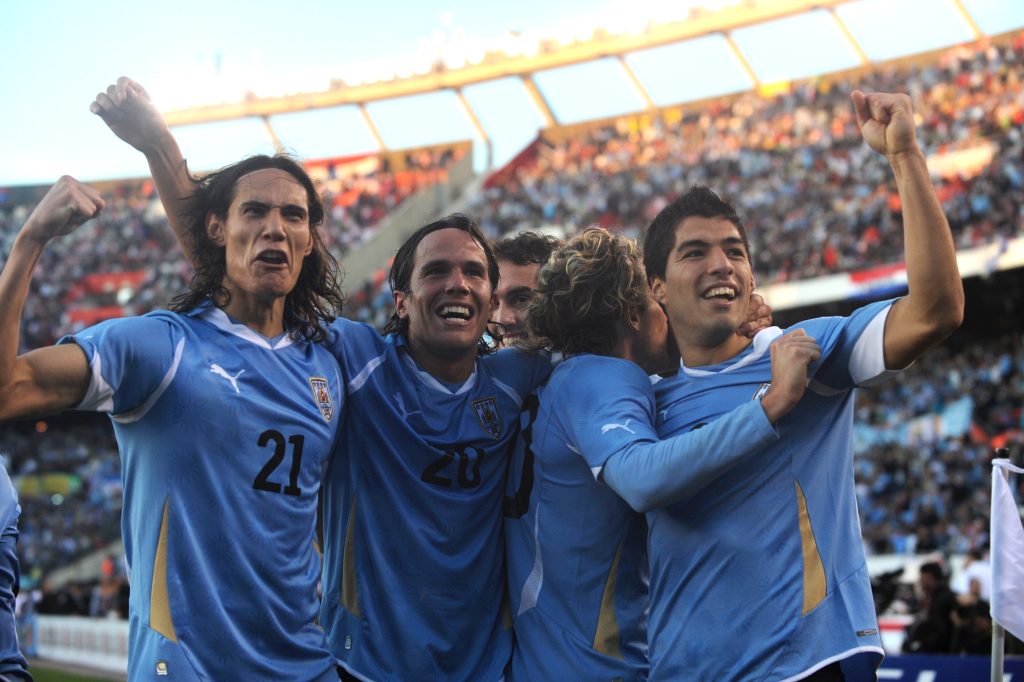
[777, 403]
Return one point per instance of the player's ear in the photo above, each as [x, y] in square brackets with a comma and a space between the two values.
[401, 302]
[215, 229]
[659, 290]
[632, 320]
[493, 306]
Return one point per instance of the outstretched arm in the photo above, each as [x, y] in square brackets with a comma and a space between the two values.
[128, 111]
[934, 305]
[55, 378]
[651, 475]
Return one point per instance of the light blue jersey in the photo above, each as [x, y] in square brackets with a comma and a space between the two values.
[13, 666]
[224, 438]
[413, 553]
[761, 575]
[577, 559]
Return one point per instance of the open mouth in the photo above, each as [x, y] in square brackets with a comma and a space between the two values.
[720, 293]
[455, 313]
[272, 257]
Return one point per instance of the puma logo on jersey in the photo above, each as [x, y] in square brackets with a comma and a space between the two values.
[219, 371]
[400, 404]
[611, 427]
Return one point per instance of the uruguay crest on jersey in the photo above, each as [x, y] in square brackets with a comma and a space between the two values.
[487, 412]
[322, 397]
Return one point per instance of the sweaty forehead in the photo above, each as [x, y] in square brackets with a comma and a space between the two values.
[449, 244]
[711, 230]
[512, 276]
[271, 186]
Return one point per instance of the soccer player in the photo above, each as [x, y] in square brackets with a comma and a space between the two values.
[520, 257]
[761, 573]
[13, 666]
[576, 544]
[413, 552]
[225, 412]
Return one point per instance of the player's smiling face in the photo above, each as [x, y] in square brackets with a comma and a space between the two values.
[707, 284]
[265, 235]
[449, 299]
[514, 293]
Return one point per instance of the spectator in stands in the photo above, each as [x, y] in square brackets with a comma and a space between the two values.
[519, 258]
[975, 577]
[932, 629]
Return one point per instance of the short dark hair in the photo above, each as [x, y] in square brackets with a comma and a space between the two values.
[699, 201]
[587, 288]
[526, 248]
[405, 262]
[934, 569]
[316, 298]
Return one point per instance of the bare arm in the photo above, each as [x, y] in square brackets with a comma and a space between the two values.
[49, 379]
[934, 305]
[128, 111]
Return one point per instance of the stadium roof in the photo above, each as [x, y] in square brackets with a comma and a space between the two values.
[503, 90]
[479, 72]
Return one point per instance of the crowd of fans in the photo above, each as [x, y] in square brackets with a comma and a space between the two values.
[816, 200]
[126, 262]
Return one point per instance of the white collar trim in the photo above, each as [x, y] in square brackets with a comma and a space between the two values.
[219, 319]
[762, 340]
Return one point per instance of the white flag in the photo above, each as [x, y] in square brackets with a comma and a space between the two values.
[1007, 553]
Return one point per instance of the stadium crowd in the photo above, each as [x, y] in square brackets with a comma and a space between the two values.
[817, 201]
[126, 262]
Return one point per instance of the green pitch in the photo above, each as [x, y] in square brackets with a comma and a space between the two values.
[42, 673]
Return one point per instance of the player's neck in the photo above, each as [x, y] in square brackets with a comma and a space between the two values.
[631, 346]
[696, 354]
[451, 370]
[263, 316]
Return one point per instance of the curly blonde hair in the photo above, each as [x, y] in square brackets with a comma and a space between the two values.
[587, 287]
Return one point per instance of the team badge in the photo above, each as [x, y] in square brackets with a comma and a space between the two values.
[161, 668]
[762, 390]
[322, 397]
[487, 412]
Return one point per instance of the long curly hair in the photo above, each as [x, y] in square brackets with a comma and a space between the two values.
[316, 299]
[587, 288]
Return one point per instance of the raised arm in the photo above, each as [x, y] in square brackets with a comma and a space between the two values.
[55, 378]
[934, 305]
[128, 111]
[651, 475]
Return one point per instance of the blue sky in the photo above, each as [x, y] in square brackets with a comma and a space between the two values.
[58, 54]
